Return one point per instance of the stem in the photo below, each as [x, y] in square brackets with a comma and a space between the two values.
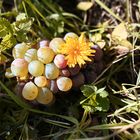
[108, 10]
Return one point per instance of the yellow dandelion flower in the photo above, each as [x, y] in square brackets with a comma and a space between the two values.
[77, 51]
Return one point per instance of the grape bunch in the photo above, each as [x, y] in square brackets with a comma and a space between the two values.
[43, 71]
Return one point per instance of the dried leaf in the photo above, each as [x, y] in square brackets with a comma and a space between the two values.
[120, 32]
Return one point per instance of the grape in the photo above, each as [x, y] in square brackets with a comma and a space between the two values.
[41, 81]
[65, 72]
[53, 86]
[78, 80]
[51, 71]
[8, 73]
[19, 67]
[98, 54]
[45, 55]
[44, 43]
[19, 50]
[45, 96]
[36, 68]
[99, 67]
[60, 61]
[74, 71]
[96, 67]
[19, 87]
[90, 76]
[30, 55]
[56, 43]
[71, 35]
[30, 91]
[64, 83]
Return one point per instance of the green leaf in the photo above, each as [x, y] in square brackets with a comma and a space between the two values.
[87, 90]
[23, 25]
[7, 42]
[21, 36]
[21, 16]
[5, 27]
[103, 104]
[96, 99]
[102, 92]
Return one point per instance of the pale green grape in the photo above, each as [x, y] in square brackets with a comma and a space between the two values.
[64, 83]
[19, 50]
[41, 81]
[45, 55]
[51, 71]
[30, 55]
[45, 96]
[70, 35]
[56, 43]
[30, 91]
[8, 73]
[19, 67]
[36, 68]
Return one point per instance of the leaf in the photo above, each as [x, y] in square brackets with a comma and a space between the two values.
[21, 36]
[7, 42]
[100, 90]
[120, 32]
[84, 5]
[103, 104]
[126, 43]
[103, 94]
[87, 90]
[5, 27]
[96, 99]
[21, 16]
[3, 58]
[23, 25]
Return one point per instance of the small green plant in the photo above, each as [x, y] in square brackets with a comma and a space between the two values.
[11, 33]
[95, 99]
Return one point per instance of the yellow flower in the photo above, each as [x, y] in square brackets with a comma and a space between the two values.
[77, 50]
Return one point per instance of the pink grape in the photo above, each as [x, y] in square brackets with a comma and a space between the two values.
[64, 83]
[44, 43]
[45, 55]
[19, 67]
[60, 61]
[51, 71]
[65, 72]
[53, 86]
